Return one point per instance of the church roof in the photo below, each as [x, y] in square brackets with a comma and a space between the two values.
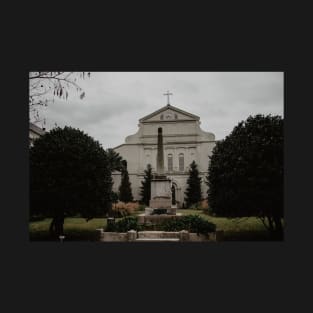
[192, 116]
[36, 129]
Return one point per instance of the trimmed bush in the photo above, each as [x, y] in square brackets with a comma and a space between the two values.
[125, 224]
[192, 223]
[142, 207]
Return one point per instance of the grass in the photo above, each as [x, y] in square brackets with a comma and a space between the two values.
[244, 229]
[77, 229]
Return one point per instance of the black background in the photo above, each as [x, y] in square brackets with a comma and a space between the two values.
[227, 276]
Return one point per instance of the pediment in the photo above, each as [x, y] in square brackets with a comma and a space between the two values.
[169, 113]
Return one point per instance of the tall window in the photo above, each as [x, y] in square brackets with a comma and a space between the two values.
[170, 162]
[181, 162]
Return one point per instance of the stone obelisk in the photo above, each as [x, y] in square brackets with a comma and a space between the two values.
[160, 154]
[161, 195]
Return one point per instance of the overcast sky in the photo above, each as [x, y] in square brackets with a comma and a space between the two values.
[115, 101]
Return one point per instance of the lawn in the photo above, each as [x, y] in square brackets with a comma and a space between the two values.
[77, 229]
[245, 229]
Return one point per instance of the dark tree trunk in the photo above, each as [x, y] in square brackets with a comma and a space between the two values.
[56, 226]
[270, 224]
[110, 210]
[52, 228]
[278, 231]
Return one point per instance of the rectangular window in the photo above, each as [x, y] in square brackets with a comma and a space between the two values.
[170, 162]
[181, 162]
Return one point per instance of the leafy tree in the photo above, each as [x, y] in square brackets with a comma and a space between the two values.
[193, 190]
[45, 86]
[246, 172]
[145, 189]
[69, 175]
[125, 192]
[114, 197]
[115, 160]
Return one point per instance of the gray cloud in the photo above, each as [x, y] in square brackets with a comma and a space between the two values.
[115, 101]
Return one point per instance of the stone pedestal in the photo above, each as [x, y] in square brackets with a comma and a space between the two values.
[132, 235]
[161, 195]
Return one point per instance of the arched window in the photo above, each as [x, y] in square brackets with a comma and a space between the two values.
[181, 162]
[170, 162]
[162, 116]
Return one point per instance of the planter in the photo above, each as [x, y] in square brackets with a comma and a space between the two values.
[181, 236]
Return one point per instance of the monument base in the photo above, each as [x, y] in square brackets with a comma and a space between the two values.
[147, 219]
[161, 195]
[160, 203]
[169, 210]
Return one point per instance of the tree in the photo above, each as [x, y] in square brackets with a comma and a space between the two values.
[145, 189]
[114, 197]
[125, 192]
[115, 160]
[45, 86]
[69, 175]
[193, 190]
[246, 172]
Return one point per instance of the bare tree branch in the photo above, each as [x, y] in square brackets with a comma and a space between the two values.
[56, 83]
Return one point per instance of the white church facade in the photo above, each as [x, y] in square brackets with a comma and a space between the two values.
[184, 141]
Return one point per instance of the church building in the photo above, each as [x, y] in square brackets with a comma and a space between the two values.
[184, 141]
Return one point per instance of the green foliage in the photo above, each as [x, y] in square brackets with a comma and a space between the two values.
[114, 197]
[195, 206]
[246, 171]
[145, 191]
[208, 211]
[118, 213]
[193, 190]
[115, 160]
[125, 224]
[192, 223]
[250, 228]
[125, 192]
[141, 207]
[69, 174]
[36, 218]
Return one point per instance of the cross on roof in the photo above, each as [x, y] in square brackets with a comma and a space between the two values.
[168, 94]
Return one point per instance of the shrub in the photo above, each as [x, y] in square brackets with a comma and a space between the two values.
[195, 206]
[141, 207]
[192, 223]
[118, 213]
[208, 211]
[122, 209]
[125, 224]
[36, 218]
[204, 204]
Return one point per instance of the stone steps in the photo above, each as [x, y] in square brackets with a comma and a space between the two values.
[158, 239]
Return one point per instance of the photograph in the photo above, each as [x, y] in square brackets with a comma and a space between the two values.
[180, 157]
